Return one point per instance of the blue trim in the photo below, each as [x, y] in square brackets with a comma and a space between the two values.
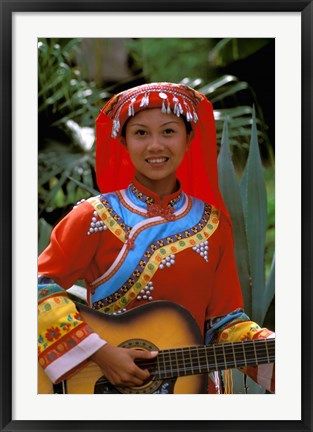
[227, 318]
[142, 243]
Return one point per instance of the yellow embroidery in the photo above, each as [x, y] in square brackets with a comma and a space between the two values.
[242, 330]
[156, 258]
[60, 320]
[107, 219]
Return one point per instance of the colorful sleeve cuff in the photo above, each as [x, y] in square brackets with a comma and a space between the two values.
[64, 339]
[264, 375]
[65, 365]
[243, 330]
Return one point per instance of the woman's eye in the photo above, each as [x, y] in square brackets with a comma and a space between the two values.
[169, 131]
[140, 132]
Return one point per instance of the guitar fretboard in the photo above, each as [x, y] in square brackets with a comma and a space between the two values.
[203, 359]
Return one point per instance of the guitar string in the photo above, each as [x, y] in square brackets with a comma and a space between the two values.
[267, 357]
[246, 347]
[183, 363]
[171, 354]
[219, 352]
[219, 349]
[156, 375]
[246, 344]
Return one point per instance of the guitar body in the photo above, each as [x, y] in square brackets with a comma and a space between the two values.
[157, 326]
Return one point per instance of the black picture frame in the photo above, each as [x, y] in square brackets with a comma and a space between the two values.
[7, 9]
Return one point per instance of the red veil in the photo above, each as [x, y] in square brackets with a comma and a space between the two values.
[198, 171]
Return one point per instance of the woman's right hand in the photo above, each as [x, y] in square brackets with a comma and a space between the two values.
[119, 367]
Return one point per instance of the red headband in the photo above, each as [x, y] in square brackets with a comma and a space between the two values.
[198, 171]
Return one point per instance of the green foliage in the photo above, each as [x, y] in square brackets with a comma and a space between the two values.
[58, 166]
[171, 59]
[238, 117]
[228, 50]
[68, 106]
[182, 59]
[247, 205]
[231, 193]
[254, 199]
[63, 94]
[45, 231]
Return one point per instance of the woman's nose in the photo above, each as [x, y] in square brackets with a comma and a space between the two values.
[154, 143]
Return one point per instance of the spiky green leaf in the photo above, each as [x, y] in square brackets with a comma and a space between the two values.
[231, 193]
[254, 200]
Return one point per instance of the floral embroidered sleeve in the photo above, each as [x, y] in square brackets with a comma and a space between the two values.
[238, 327]
[64, 340]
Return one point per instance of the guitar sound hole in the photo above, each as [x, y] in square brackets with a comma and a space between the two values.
[154, 385]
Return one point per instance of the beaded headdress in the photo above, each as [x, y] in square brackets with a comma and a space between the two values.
[178, 99]
[198, 171]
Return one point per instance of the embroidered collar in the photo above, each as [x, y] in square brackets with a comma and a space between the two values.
[152, 199]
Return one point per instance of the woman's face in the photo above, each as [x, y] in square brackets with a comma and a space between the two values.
[156, 143]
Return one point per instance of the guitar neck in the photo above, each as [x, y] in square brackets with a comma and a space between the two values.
[203, 359]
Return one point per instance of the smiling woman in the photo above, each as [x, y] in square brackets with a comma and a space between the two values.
[156, 143]
[159, 234]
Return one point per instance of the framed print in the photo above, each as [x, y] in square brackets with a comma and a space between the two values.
[289, 23]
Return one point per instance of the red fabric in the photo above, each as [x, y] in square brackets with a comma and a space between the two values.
[206, 289]
[198, 171]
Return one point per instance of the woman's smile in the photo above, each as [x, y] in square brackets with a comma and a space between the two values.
[157, 161]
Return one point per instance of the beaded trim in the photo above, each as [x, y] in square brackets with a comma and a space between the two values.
[178, 99]
[96, 225]
[202, 249]
[102, 279]
[153, 257]
[110, 218]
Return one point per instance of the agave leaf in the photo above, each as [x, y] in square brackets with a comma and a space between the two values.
[269, 290]
[231, 193]
[240, 122]
[254, 200]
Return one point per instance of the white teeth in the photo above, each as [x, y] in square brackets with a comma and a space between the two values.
[159, 160]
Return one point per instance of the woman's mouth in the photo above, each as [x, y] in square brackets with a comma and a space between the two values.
[157, 161]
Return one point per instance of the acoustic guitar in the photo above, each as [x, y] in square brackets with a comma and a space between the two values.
[182, 364]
